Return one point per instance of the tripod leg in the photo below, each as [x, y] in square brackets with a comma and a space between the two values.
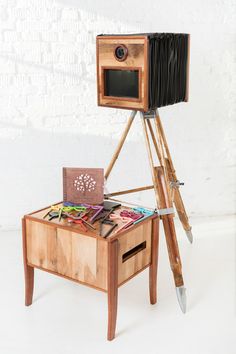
[163, 202]
[158, 144]
[120, 144]
[154, 262]
[162, 134]
[172, 177]
[150, 158]
[171, 240]
[154, 141]
[179, 205]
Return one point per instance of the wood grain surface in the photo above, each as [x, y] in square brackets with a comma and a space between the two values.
[137, 58]
[84, 258]
[128, 242]
[28, 270]
[67, 253]
[112, 293]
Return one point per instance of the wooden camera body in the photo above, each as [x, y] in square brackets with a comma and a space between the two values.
[142, 71]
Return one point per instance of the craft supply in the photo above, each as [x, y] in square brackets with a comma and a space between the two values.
[131, 214]
[78, 208]
[108, 205]
[106, 215]
[52, 208]
[60, 213]
[99, 208]
[53, 215]
[134, 205]
[47, 213]
[78, 217]
[107, 222]
[70, 204]
[126, 220]
[146, 213]
[80, 222]
[110, 230]
[100, 216]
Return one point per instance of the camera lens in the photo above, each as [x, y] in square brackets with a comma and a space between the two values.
[121, 52]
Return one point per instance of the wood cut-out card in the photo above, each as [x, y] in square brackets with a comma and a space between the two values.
[83, 185]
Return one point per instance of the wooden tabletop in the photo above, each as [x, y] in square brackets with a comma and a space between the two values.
[39, 217]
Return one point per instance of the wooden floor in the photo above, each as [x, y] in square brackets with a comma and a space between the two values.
[67, 318]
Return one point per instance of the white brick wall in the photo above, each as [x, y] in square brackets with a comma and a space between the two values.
[48, 112]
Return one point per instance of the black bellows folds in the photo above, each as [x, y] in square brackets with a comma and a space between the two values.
[168, 55]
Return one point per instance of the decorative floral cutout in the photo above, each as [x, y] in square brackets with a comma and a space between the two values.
[84, 183]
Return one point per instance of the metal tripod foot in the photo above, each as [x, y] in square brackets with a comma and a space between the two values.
[181, 295]
[189, 235]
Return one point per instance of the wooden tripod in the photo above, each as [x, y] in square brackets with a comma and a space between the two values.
[166, 187]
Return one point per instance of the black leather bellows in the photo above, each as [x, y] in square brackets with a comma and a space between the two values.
[168, 55]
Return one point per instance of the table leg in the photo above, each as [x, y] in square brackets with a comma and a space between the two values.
[154, 262]
[29, 271]
[112, 285]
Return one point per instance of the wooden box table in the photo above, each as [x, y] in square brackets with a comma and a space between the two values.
[86, 257]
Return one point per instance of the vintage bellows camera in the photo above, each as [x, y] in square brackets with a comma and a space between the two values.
[142, 71]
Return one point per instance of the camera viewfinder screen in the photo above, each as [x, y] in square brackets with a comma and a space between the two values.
[121, 83]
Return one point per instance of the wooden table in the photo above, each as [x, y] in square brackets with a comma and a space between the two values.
[64, 249]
